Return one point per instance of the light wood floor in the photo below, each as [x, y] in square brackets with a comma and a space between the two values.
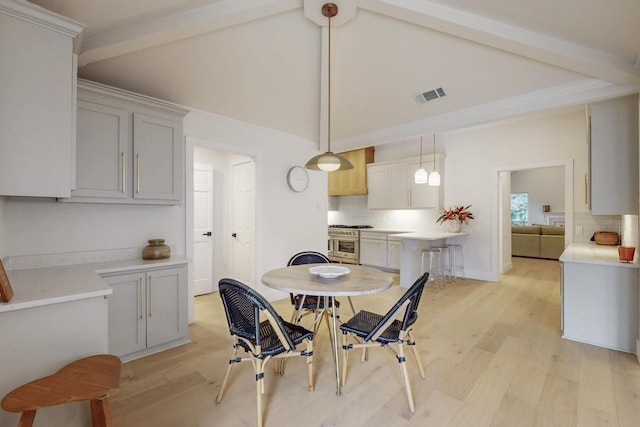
[492, 352]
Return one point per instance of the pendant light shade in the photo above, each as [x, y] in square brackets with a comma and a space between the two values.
[329, 161]
[434, 177]
[420, 177]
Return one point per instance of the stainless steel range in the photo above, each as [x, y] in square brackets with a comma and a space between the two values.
[344, 243]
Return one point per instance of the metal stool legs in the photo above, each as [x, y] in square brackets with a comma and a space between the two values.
[457, 261]
[433, 266]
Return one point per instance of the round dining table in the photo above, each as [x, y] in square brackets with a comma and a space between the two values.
[359, 280]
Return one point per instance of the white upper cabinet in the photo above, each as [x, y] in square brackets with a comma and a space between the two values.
[392, 186]
[129, 148]
[613, 156]
[37, 79]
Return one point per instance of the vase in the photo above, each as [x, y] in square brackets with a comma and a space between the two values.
[453, 226]
[626, 253]
[156, 249]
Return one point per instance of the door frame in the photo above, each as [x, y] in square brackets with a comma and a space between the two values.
[498, 215]
[190, 143]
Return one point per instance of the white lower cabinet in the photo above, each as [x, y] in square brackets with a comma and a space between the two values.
[378, 249]
[373, 249]
[147, 310]
[394, 251]
[600, 305]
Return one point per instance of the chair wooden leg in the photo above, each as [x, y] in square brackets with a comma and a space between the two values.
[310, 364]
[259, 390]
[405, 375]
[344, 359]
[226, 375]
[26, 419]
[101, 413]
[414, 349]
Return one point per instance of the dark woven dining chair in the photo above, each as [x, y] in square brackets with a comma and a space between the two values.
[310, 303]
[257, 329]
[392, 331]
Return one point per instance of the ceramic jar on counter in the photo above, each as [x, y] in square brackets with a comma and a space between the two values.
[156, 249]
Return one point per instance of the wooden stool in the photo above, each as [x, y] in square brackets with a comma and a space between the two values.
[91, 378]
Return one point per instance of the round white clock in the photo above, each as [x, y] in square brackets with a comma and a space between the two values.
[298, 179]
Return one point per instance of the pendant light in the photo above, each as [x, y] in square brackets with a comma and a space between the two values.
[329, 162]
[434, 177]
[420, 177]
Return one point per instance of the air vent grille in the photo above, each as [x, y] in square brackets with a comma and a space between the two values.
[430, 95]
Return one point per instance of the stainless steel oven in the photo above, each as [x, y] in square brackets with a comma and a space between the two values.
[344, 243]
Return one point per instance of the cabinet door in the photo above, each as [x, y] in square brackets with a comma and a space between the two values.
[377, 177]
[166, 305]
[394, 252]
[157, 159]
[102, 151]
[398, 187]
[424, 195]
[36, 103]
[373, 252]
[614, 156]
[127, 333]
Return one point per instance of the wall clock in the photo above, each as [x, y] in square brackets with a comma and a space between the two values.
[298, 179]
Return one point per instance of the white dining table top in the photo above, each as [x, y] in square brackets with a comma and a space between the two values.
[297, 279]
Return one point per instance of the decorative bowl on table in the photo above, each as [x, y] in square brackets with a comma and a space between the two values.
[329, 271]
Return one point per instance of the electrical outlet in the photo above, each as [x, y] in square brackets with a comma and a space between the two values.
[578, 230]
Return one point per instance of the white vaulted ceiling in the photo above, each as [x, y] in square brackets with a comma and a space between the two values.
[261, 61]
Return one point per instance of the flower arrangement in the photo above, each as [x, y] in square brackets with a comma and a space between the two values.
[457, 213]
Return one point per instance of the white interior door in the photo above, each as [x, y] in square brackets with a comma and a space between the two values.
[242, 222]
[202, 226]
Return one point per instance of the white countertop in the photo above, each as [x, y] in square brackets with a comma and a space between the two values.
[387, 230]
[591, 253]
[51, 285]
[428, 235]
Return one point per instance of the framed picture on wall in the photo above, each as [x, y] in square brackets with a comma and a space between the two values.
[6, 292]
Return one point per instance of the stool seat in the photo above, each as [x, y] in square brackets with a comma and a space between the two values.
[90, 378]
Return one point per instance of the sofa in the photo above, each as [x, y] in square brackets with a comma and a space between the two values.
[537, 241]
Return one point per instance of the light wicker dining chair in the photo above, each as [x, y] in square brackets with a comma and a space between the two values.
[257, 329]
[392, 331]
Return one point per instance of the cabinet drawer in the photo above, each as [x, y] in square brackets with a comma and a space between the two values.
[373, 235]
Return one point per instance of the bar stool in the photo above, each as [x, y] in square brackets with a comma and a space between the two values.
[433, 257]
[446, 267]
[457, 261]
[91, 378]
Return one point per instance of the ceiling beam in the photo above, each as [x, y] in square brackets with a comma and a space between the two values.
[170, 28]
[509, 38]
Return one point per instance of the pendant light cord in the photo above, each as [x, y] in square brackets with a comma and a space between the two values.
[421, 152]
[329, 91]
[434, 152]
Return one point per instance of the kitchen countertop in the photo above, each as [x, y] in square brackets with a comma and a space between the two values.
[428, 235]
[387, 230]
[51, 285]
[591, 253]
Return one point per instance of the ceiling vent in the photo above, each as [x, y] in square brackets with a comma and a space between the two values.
[430, 95]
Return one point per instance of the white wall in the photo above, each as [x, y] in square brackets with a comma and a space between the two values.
[38, 226]
[544, 186]
[474, 155]
[286, 222]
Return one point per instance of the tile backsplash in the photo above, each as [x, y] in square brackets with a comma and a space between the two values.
[625, 225]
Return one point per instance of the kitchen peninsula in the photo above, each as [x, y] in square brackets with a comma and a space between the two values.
[412, 245]
[599, 297]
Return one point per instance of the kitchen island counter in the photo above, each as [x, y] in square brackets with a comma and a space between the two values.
[412, 246]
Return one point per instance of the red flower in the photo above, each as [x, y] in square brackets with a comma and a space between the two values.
[457, 213]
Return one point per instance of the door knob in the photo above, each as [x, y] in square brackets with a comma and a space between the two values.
[234, 235]
[208, 233]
